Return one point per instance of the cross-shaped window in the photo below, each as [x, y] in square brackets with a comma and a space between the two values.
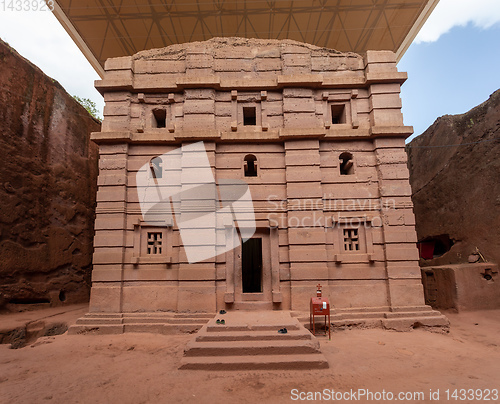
[351, 240]
[154, 242]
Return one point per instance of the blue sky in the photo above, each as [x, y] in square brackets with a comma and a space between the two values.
[453, 65]
[451, 75]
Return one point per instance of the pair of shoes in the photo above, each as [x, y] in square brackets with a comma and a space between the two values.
[222, 312]
[283, 331]
[222, 322]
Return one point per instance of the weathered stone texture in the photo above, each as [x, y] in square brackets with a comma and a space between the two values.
[47, 188]
[328, 183]
[455, 178]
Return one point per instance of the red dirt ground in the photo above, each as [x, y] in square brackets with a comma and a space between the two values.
[142, 368]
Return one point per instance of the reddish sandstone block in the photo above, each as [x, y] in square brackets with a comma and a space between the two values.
[298, 105]
[302, 174]
[199, 61]
[199, 107]
[109, 221]
[297, 93]
[301, 120]
[401, 252]
[199, 94]
[380, 57]
[380, 68]
[120, 63]
[105, 298]
[159, 66]
[395, 188]
[304, 190]
[117, 96]
[113, 162]
[406, 292]
[233, 65]
[199, 122]
[388, 156]
[268, 64]
[116, 109]
[385, 101]
[400, 234]
[305, 236]
[302, 158]
[296, 60]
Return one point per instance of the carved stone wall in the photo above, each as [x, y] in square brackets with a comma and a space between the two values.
[323, 133]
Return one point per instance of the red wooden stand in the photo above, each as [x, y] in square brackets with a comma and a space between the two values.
[320, 306]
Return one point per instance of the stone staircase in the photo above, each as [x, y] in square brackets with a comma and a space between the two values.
[119, 323]
[250, 340]
[399, 319]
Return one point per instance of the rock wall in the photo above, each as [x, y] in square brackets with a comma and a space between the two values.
[455, 177]
[47, 188]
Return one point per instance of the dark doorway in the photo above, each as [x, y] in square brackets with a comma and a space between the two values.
[251, 266]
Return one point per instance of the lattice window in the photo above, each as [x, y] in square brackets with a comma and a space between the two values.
[351, 240]
[154, 243]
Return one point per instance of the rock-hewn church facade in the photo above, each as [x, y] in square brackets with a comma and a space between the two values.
[316, 136]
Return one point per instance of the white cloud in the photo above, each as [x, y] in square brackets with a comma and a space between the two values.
[450, 13]
[41, 39]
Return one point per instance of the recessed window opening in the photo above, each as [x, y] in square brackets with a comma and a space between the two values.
[250, 166]
[154, 243]
[338, 115]
[351, 240]
[160, 118]
[346, 164]
[249, 116]
[156, 167]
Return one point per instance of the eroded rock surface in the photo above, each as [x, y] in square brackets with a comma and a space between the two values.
[48, 176]
[455, 178]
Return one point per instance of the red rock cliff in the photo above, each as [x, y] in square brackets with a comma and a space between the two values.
[455, 178]
[48, 176]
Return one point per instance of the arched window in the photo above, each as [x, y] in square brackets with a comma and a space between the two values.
[156, 166]
[346, 164]
[250, 165]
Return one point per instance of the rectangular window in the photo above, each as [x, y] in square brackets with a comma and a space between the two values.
[154, 243]
[338, 114]
[249, 116]
[351, 240]
[160, 118]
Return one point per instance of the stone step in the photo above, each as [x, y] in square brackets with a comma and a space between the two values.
[358, 322]
[245, 348]
[163, 314]
[411, 308]
[252, 306]
[407, 323]
[96, 329]
[162, 328]
[262, 362]
[103, 315]
[406, 314]
[204, 316]
[98, 321]
[244, 328]
[358, 316]
[253, 336]
[163, 320]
